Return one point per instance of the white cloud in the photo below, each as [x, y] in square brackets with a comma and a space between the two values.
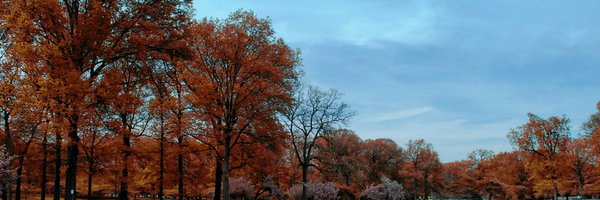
[401, 114]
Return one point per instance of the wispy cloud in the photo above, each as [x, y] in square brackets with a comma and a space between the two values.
[401, 114]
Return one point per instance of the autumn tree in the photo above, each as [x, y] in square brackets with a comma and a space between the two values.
[73, 41]
[383, 157]
[30, 115]
[127, 109]
[471, 178]
[159, 110]
[581, 164]
[179, 116]
[591, 134]
[459, 180]
[511, 171]
[546, 142]
[10, 79]
[240, 77]
[486, 182]
[422, 168]
[339, 156]
[313, 114]
[479, 155]
[592, 125]
[94, 144]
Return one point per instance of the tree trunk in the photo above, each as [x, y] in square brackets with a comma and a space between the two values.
[19, 178]
[555, 186]
[44, 166]
[425, 185]
[124, 194]
[162, 161]
[304, 180]
[91, 172]
[72, 154]
[226, 170]
[57, 163]
[347, 180]
[218, 178]
[6, 193]
[90, 176]
[180, 166]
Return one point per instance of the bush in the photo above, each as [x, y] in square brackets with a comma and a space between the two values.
[315, 191]
[273, 190]
[241, 188]
[346, 194]
[387, 190]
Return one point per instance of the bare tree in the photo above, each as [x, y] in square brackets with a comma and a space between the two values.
[313, 114]
[480, 155]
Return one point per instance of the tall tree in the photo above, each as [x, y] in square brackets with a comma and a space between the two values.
[423, 167]
[73, 41]
[93, 144]
[44, 179]
[179, 117]
[241, 75]
[581, 163]
[459, 180]
[10, 79]
[479, 155]
[313, 114]
[486, 183]
[159, 109]
[546, 141]
[591, 133]
[339, 155]
[171, 112]
[383, 157]
[127, 108]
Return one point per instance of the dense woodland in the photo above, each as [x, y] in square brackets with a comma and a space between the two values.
[136, 99]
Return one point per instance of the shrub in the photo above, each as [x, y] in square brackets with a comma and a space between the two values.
[346, 194]
[274, 191]
[241, 188]
[386, 190]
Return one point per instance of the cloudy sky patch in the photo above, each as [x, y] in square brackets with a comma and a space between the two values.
[459, 74]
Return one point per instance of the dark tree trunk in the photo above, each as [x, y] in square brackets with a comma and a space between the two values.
[180, 166]
[44, 166]
[6, 193]
[226, 167]
[218, 178]
[72, 154]
[347, 179]
[162, 161]
[555, 186]
[304, 180]
[425, 187]
[57, 163]
[19, 177]
[124, 194]
[91, 172]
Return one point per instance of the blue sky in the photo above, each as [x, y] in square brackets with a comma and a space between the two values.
[459, 74]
